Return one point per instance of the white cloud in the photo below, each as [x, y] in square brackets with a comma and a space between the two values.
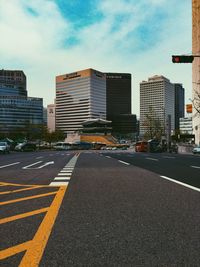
[33, 33]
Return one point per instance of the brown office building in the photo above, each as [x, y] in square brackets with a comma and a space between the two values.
[80, 96]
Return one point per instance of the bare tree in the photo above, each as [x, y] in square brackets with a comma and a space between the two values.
[196, 101]
[154, 126]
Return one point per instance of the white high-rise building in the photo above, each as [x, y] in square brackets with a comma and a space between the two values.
[157, 93]
[80, 96]
[186, 125]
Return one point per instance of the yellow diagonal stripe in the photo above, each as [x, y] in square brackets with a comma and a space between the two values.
[33, 255]
[27, 185]
[18, 190]
[22, 215]
[14, 250]
[26, 198]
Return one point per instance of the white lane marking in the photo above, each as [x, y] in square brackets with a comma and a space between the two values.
[62, 178]
[196, 167]
[25, 167]
[124, 162]
[152, 159]
[59, 183]
[4, 166]
[108, 157]
[168, 157]
[47, 163]
[183, 184]
[65, 174]
[40, 157]
[68, 167]
[39, 167]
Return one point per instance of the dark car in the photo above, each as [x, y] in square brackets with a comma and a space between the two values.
[26, 147]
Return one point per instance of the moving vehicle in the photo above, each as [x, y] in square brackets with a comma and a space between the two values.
[141, 146]
[154, 146]
[4, 147]
[26, 147]
[196, 150]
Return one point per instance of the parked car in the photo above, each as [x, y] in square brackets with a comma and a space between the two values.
[26, 147]
[4, 147]
[62, 146]
[196, 150]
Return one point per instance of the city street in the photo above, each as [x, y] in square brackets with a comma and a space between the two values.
[99, 208]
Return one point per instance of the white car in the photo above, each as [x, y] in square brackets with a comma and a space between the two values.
[4, 147]
[196, 150]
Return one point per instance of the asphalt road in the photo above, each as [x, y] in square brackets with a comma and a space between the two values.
[119, 209]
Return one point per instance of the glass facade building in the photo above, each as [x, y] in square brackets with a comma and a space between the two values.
[179, 104]
[118, 103]
[12, 83]
[17, 111]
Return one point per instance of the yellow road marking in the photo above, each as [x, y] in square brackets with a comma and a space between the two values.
[28, 185]
[18, 190]
[34, 253]
[14, 250]
[22, 215]
[27, 198]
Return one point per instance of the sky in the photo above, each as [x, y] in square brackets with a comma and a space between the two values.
[46, 38]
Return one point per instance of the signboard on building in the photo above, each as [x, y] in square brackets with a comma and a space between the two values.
[189, 108]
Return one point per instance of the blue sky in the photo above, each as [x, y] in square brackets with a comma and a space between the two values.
[46, 38]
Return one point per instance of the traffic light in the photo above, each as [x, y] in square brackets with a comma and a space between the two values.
[182, 59]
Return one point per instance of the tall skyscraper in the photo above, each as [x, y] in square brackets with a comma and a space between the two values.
[118, 94]
[17, 111]
[118, 103]
[80, 96]
[196, 66]
[157, 93]
[179, 104]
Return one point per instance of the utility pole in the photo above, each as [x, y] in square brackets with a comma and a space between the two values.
[168, 124]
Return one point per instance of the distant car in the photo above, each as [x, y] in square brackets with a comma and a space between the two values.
[26, 147]
[141, 146]
[4, 147]
[196, 150]
[62, 146]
